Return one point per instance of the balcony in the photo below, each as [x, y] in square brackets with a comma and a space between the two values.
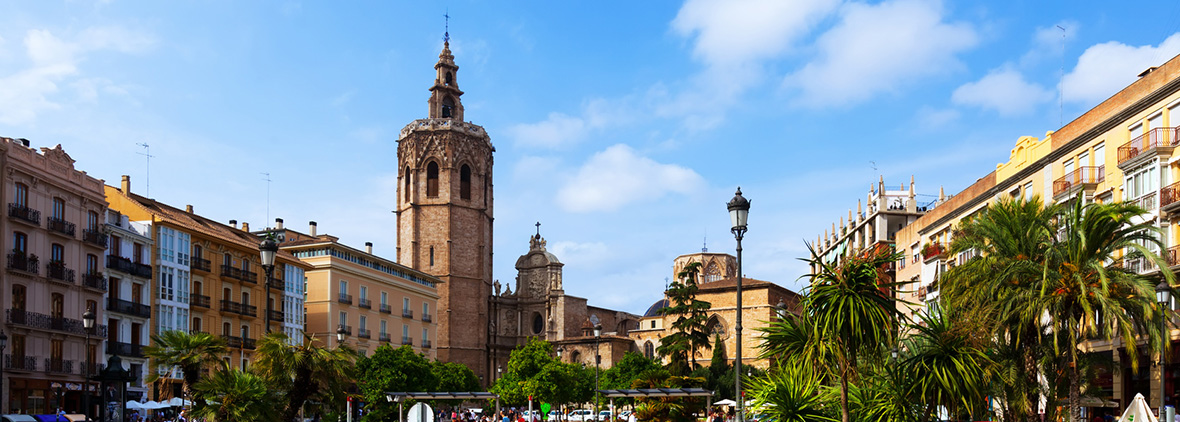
[248, 343]
[345, 299]
[1149, 202]
[365, 303]
[406, 341]
[239, 308]
[1161, 139]
[239, 274]
[45, 322]
[1173, 256]
[363, 333]
[61, 226]
[59, 366]
[57, 271]
[427, 318]
[119, 263]
[276, 283]
[25, 214]
[276, 315]
[94, 237]
[199, 300]
[426, 344]
[930, 251]
[348, 330]
[383, 337]
[20, 363]
[124, 349]
[128, 307]
[407, 313]
[25, 263]
[386, 309]
[233, 342]
[1139, 265]
[200, 264]
[1087, 178]
[94, 281]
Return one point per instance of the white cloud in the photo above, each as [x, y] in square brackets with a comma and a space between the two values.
[878, 48]
[730, 32]
[931, 119]
[1004, 91]
[577, 254]
[561, 130]
[618, 176]
[1104, 69]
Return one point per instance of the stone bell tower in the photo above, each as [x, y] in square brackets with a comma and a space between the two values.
[444, 216]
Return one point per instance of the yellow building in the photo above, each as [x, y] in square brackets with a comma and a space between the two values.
[376, 301]
[208, 278]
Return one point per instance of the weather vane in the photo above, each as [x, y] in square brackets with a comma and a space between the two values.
[447, 27]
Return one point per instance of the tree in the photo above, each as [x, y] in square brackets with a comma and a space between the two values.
[668, 409]
[391, 369]
[949, 361]
[303, 372]
[793, 393]
[192, 353]
[532, 371]
[454, 376]
[234, 395]
[689, 333]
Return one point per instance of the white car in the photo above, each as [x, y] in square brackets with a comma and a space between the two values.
[604, 415]
[580, 416]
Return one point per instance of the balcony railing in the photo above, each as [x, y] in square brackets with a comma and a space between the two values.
[61, 226]
[383, 337]
[1079, 177]
[239, 308]
[200, 264]
[365, 303]
[276, 315]
[94, 280]
[1139, 265]
[124, 349]
[1154, 138]
[22, 262]
[248, 343]
[407, 313]
[345, 299]
[23, 213]
[348, 330]
[232, 341]
[277, 283]
[386, 309]
[406, 341]
[20, 363]
[46, 322]
[59, 366]
[199, 300]
[1148, 202]
[933, 250]
[94, 237]
[128, 307]
[363, 333]
[1173, 256]
[119, 263]
[57, 271]
[238, 273]
[427, 318]
[1169, 194]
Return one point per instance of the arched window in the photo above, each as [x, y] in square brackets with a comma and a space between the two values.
[409, 182]
[538, 323]
[57, 305]
[21, 195]
[432, 179]
[465, 182]
[18, 297]
[649, 350]
[447, 106]
[450, 78]
[225, 328]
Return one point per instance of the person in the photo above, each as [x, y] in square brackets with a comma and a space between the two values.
[631, 417]
[61, 414]
[180, 417]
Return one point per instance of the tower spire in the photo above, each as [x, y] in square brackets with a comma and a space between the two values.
[444, 94]
[447, 28]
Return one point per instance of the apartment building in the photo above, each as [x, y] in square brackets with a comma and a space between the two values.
[377, 301]
[1120, 150]
[876, 222]
[129, 298]
[53, 276]
[207, 278]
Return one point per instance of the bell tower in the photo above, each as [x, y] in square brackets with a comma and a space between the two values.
[444, 216]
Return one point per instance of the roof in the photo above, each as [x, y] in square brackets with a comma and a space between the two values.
[658, 392]
[463, 395]
[654, 310]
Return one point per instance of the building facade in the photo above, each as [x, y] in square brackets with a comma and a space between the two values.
[53, 276]
[888, 212]
[377, 301]
[128, 302]
[444, 216]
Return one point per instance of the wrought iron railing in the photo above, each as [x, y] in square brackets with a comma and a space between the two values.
[199, 300]
[1080, 176]
[124, 349]
[94, 280]
[406, 341]
[59, 366]
[58, 271]
[62, 226]
[426, 344]
[427, 318]
[365, 303]
[232, 341]
[46, 322]
[23, 262]
[386, 309]
[238, 273]
[248, 343]
[276, 315]
[407, 313]
[128, 307]
[363, 333]
[383, 337]
[345, 299]
[94, 237]
[119, 263]
[20, 363]
[23, 213]
[200, 264]
[1154, 138]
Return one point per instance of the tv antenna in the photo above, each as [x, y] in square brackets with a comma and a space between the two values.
[267, 179]
[147, 153]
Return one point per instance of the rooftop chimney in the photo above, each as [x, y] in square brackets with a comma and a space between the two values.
[188, 209]
[278, 224]
[245, 226]
[126, 184]
[369, 248]
[233, 223]
[311, 230]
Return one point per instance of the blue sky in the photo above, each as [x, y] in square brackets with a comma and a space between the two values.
[623, 127]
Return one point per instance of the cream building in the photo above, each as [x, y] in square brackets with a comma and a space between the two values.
[128, 301]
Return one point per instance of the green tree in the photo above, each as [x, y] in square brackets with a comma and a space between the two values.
[533, 371]
[234, 395]
[454, 376]
[688, 333]
[950, 362]
[793, 393]
[191, 353]
[668, 409]
[392, 370]
[309, 371]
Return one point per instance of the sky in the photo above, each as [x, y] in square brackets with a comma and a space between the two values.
[623, 127]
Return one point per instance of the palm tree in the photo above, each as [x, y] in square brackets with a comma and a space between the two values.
[303, 372]
[852, 307]
[792, 393]
[950, 362]
[235, 395]
[192, 353]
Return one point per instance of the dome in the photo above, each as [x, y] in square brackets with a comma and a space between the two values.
[654, 310]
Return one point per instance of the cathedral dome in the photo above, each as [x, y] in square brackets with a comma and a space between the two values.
[654, 310]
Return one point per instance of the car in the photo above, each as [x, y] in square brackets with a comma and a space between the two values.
[580, 416]
[604, 415]
[553, 415]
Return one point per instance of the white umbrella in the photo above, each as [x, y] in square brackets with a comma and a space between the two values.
[134, 405]
[179, 402]
[1138, 411]
[726, 402]
[155, 405]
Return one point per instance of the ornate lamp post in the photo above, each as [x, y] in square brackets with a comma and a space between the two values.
[559, 352]
[340, 333]
[597, 359]
[739, 210]
[1163, 295]
[267, 249]
[87, 325]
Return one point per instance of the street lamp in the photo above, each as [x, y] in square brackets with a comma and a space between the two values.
[739, 210]
[1163, 295]
[267, 249]
[597, 359]
[340, 333]
[87, 324]
[3, 345]
[559, 351]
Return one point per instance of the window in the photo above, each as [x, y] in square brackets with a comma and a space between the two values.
[18, 297]
[227, 260]
[364, 292]
[57, 253]
[450, 78]
[432, 256]
[116, 246]
[432, 179]
[245, 298]
[1067, 167]
[465, 182]
[447, 106]
[343, 287]
[362, 322]
[137, 253]
[1100, 154]
[383, 325]
[384, 298]
[20, 243]
[59, 208]
[167, 283]
[425, 335]
[91, 264]
[198, 252]
[21, 195]
[197, 323]
[405, 331]
[343, 318]
[225, 328]
[405, 304]
[57, 306]
[649, 350]
[425, 309]
[92, 220]
[409, 182]
[653, 323]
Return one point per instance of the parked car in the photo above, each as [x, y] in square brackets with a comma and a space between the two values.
[580, 416]
[604, 415]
